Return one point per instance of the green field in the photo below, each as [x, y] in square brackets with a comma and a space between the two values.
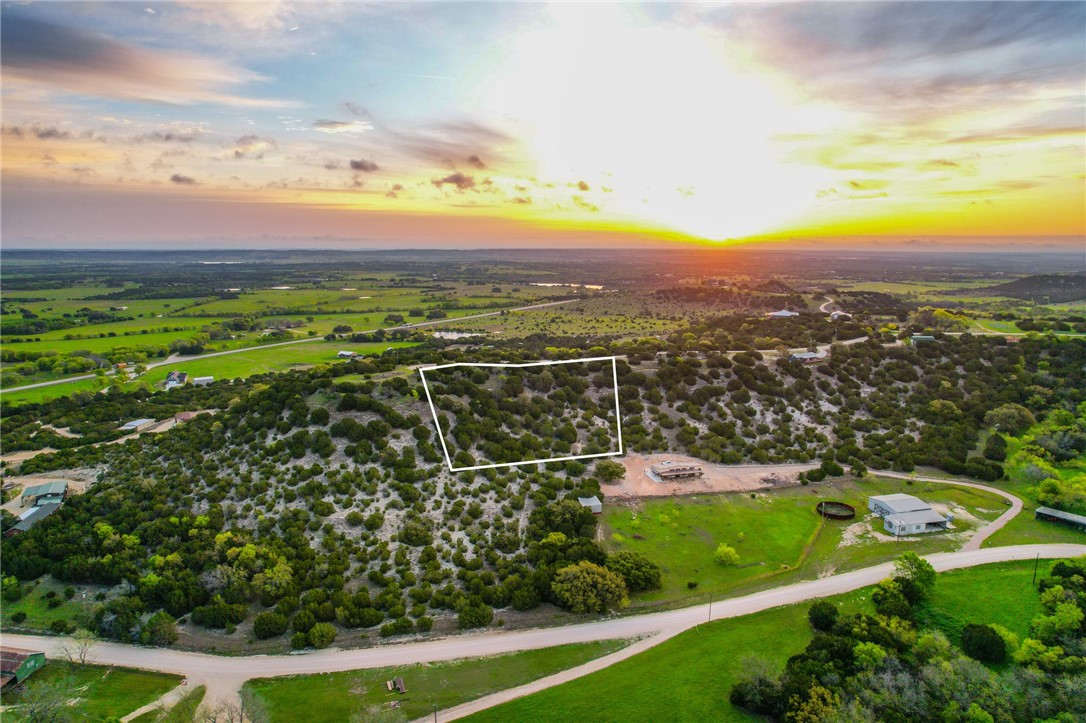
[779, 535]
[43, 394]
[36, 605]
[339, 696]
[93, 692]
[688, 678]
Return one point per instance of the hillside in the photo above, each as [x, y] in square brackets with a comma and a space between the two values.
[1043, 288]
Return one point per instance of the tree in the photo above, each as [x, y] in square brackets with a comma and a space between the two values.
[321, 635]
[160, 629]
[78, 649]
[726, 555]
[269, 625]
[609, 471]
[1010, 419]
[474, 615]
[917, 570]
[822, 615]
[639, 572]
[983, 643]
[586, 587]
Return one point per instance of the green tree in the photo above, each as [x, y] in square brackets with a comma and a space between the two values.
[586, 587]
[726, 555]
[983, 643]
[1010, 419]
[160, 629]
[917, 570]
[268, 625]
[822, 615]
[321, 635]
[609, 471]
[639, 572]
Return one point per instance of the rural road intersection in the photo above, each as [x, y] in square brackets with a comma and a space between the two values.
[224, 676]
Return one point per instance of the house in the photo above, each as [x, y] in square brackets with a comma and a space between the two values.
[16, 664]
[32, 517]
[921, 339]
[184, 416]
[137, 425]
[347, 354]
[670, 469]
[809, 357]
[176, 379]
[54, 491]
[1060, 517]
[835, 315]
[782, 314]
[907, 515]
[202, 381]
[592, 503]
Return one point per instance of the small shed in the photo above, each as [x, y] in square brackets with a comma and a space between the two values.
[921, 339]
[54, 491]
[1060, 517]
[137, 425]
[16, 664]
[202, 381]
[32, 517]
[782, 314]
[592, 503]
[809, 357]
[347, 354]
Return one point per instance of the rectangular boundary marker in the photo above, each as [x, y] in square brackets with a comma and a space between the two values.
[441, 436]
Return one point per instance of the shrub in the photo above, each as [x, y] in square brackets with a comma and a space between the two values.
[639, 572]
[61, 627]
[588, 588]
[726, 555]
[299, 641]
[475, 616]
[268, 625]
[321, 635]
[18, 617]
[822, 615]
[983, 643]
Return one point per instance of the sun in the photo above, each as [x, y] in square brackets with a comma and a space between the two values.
[670, 127]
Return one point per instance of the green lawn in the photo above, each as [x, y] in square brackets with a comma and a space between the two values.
[36, 606]
[44, 394]
[779, 535]
[339, 696]
[183, 712]
[688, 678]
[94, 692]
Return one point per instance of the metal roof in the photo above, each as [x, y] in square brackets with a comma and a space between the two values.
[899, 503]
[136, 423]
[1069, 516]
[919, 517]
[38, 514]
[56, 487]
[12, 658]
[589, 501]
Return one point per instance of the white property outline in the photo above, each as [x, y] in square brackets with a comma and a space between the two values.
[437, 424]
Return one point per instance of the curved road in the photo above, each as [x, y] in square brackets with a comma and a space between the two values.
[179, 359]
[224, 676]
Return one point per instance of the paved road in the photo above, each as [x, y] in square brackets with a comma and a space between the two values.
[988, 530]
[179, 359]
[224, 676]
[824, 306]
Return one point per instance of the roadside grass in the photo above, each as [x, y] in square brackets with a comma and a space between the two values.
[185, 711]
[93, 692]
[339, 696]
[783, 537]
[689, 677]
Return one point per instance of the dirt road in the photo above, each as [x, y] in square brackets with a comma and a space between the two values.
[224, 676]
[715, 478]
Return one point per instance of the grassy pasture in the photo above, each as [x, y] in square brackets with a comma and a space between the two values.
[339, 696]
[779, 535]
[689, 677]
[42, 394]
[97, 692]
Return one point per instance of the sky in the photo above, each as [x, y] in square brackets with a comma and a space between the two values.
[565, 124]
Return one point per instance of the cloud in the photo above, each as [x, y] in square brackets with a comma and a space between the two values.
[335, 126]
[40, 51]
[182, 180]
[581, 185]
[364, 165]
[441, 142]
[458, 179]
[587, 206]
[166, 137]
[521, 200]
[252, 146]
[355, 109]
[476, 162]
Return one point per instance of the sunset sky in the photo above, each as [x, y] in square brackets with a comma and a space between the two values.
[469, 125]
